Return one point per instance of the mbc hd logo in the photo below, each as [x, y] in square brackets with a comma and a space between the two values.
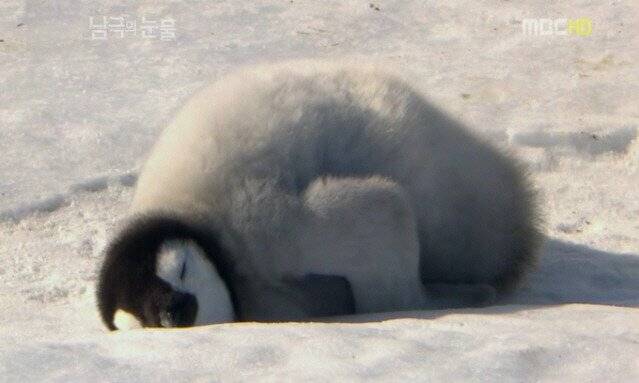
[557, 27]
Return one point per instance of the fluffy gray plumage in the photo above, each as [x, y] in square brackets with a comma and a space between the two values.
[310, 167]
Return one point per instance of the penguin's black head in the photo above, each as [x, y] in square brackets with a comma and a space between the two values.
[161, 271]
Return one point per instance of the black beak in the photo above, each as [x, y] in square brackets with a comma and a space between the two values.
[181, 310]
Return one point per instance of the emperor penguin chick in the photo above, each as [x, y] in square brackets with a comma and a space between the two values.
[305, 189]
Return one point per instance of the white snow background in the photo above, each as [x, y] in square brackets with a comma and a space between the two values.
[78, 115]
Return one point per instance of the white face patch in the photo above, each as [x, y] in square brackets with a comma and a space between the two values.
[125, 321]
[185, 267]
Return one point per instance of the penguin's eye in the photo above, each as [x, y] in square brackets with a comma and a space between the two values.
[183, 271]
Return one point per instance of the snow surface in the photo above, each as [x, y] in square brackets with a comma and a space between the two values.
[78, 115]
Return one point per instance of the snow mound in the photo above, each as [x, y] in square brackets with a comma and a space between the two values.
[500, 344]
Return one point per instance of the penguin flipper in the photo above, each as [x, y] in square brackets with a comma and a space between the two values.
[459, 295]
[324, 295]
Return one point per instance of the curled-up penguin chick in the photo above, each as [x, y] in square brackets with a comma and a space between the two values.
[306, 189]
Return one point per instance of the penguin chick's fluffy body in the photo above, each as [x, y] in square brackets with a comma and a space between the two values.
[305, 189]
